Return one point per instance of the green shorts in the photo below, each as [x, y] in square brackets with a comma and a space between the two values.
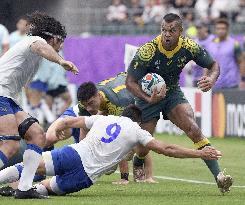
[173, 98]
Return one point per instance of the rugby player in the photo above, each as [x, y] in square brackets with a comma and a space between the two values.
[108, 97]
[166, 55]
[109, 139]
[17, 67]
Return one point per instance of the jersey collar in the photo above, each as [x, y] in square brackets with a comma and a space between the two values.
[169, 54]
[104, 101]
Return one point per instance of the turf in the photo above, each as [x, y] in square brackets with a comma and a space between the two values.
[167, 192]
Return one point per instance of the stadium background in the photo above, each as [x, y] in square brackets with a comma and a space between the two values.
[97, 46]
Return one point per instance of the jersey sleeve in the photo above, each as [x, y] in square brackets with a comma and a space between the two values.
[89, 120]
[138, 66]
[199, 54]
[143, 136]
[33, 39]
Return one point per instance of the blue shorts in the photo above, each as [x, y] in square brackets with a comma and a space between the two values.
[8, 106]
[69, 171]
[39, 86]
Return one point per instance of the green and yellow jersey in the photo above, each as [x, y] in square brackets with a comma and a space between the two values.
[152, 57]
[115, 96]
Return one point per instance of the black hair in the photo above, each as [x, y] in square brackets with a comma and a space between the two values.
[222, 21]
[169, 18]
[86, 91]
[46, 26]
[25, 17]
[132, 112]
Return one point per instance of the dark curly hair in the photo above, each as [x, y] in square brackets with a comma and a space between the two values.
[86, 91]
[132, 112]
[46, 26]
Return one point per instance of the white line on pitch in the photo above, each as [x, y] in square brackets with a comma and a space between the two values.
[189, 180]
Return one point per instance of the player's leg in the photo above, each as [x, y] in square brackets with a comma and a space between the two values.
[182, 116]
[12, 174]
[8, 131]
[141, 153]
[34, 136]
[65, 164]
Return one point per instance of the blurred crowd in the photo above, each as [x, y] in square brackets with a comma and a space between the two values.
[143, 12]
[47, 96]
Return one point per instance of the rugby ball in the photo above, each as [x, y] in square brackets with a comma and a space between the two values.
[151, 81]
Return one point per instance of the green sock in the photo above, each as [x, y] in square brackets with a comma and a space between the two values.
[212, 165]
[138, 162]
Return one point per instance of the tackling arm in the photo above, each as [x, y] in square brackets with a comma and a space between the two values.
[176, 151]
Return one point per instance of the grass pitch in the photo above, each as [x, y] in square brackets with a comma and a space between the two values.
[169, 192]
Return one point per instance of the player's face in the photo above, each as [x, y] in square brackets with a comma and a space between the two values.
[202, 32]
[93, 104]
[170, 34]
[56, 43]
[221, 30]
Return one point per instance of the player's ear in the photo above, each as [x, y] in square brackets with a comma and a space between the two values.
[181, 29]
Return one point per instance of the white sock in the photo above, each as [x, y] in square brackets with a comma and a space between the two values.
[9, 175]
[41, 189]
[31, 161]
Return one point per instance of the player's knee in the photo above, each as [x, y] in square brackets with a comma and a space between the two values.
[36, 136]
[12, 148]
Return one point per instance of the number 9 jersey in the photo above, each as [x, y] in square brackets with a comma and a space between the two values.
[109, 140]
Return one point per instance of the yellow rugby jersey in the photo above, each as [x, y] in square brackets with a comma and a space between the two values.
[153, 58]
[115, 95]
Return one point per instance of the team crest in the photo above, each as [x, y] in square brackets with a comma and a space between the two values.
[147, 51]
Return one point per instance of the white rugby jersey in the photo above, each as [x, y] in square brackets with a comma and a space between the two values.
[109, 140]
[17, 67]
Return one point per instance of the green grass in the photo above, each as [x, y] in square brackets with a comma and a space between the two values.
[166, 192]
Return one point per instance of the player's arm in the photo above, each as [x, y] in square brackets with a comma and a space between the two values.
[47, 52]
[74, 122]
[204, 59]
[52, 138]
[172, 150]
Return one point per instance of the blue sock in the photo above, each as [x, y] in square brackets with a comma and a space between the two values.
[19, 167]
[3, 160]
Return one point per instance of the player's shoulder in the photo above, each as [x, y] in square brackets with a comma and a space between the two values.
[147, 51]
[189, 44]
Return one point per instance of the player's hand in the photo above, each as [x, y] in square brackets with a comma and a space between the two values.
[69, 66]
[60, 134]
[157, 96]
[210, 153]
[205, 83]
